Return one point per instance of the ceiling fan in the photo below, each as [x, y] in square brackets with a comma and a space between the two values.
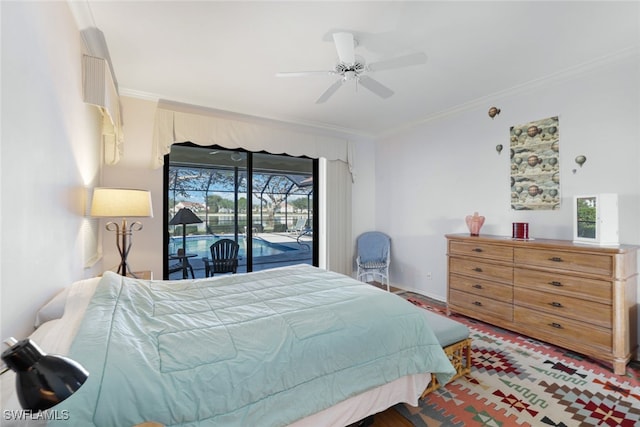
[351, 67]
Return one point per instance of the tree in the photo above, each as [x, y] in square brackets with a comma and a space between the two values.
[272, 190]
[301, 203]
[269, 189]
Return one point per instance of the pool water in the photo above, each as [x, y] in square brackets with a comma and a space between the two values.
[199, 245]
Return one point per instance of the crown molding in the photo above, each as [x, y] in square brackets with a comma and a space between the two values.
[554, 78]
[132, 93]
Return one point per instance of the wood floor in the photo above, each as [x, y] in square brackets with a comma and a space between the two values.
[390, 418]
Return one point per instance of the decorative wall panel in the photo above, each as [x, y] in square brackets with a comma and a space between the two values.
[535, 165]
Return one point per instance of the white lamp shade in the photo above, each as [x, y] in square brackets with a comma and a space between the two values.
[121, 202]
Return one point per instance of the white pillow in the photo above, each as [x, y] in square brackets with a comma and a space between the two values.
[53, 309]
[71, 297]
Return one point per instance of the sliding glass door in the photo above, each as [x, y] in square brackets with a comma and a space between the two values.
[265, 203]
[283, 210]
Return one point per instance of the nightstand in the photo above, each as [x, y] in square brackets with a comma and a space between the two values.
[144, 274]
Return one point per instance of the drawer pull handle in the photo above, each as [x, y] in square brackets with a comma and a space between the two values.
[555, 259]
[555, 304]
[477, 269]
[477, 286]
[556, 325]
[477, 249]
[478, 303]
[555, 283]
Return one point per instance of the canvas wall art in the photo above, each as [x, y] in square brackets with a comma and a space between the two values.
[535, 165]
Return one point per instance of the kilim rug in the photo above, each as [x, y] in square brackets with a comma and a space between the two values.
[516, 380]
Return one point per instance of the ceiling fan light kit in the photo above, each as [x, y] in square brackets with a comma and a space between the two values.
[354, 68]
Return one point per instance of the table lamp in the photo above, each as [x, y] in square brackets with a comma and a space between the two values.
[125, 203]
[42, 380]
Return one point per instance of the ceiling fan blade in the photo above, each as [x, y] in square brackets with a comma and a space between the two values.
[345, 47]
[330, 91]
[305, 73]
[399, 62]
[375, 86]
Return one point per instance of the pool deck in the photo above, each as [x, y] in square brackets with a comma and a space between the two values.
[300, 253]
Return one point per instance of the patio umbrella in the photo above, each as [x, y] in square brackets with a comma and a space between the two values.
[184, 216]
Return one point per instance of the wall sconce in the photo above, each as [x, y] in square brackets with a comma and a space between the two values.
[499, 148]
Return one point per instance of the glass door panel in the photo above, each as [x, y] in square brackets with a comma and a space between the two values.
[283, 201]
[212, 183]
[267, 200]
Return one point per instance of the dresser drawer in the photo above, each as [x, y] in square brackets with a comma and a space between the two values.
[564, 306]
[569, 261]
[483, 250]
[480, 269]
[588, 289]
[482, 287]
[479, 305]
[562, 331]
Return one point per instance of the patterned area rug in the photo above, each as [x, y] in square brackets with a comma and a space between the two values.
[516, 381]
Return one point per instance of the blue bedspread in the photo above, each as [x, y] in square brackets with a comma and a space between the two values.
[258, 349]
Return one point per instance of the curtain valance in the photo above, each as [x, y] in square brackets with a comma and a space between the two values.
[176, 122]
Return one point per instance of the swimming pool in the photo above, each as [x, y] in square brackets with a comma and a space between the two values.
[200, 244]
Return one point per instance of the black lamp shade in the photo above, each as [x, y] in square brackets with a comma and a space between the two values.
[185, 216]
[42, 380]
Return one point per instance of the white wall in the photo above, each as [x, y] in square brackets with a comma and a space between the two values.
[50, 153]
[134, 171]
[430, 177]
[363, 194]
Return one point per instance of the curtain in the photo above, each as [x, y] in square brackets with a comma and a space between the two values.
[99, 89]
[176, 122]
[339, 245]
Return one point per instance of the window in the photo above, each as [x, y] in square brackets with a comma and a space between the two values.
[266, 199]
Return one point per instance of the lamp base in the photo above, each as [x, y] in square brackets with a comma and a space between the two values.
[123, 242]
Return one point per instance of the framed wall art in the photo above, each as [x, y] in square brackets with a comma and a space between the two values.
[535, 165]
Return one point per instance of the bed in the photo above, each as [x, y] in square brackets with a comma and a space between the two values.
[291, 346]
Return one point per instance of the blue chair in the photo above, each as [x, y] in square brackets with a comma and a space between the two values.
[373, 257]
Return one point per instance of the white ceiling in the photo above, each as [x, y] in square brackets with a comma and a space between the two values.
[224, 55]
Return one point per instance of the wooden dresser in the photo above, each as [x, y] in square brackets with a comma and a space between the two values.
[577, 296]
